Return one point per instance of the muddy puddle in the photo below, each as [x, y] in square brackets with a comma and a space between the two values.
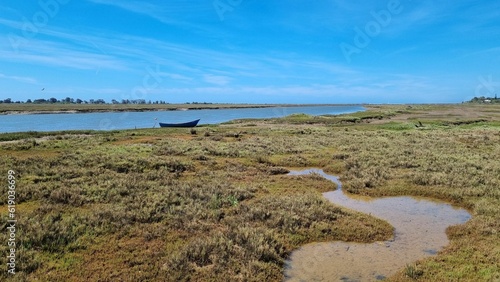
[419, 224]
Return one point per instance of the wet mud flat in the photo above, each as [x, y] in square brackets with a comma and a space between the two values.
[419, 224]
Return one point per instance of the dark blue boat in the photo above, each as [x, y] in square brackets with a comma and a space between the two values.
[184, 124]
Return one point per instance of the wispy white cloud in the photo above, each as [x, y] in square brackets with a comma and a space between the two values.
[63, 58]
[400, 88]
[57, 53]
[402, 51]
[216, 79]
[140, 7]
[57, 46]
[228, 65]
[22, 79]
[413, 16]
[177, 77]
[179, 13]
[447, 18]
[494, 50]
[11, 23]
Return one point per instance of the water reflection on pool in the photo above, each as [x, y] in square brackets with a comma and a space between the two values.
[419, 224]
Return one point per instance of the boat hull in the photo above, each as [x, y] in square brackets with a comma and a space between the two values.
[184, 124]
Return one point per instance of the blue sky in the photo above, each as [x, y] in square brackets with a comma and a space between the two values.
[249, 51]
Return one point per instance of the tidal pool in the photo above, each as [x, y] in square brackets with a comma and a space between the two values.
[419, 226]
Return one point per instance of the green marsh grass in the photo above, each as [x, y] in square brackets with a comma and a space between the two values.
[203, 201]
[169, 205]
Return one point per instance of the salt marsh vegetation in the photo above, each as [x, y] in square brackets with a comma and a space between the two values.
[171, 205]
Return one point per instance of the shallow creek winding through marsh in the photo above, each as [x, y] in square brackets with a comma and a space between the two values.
[419, 231]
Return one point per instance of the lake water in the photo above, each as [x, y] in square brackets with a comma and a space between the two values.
[419, 231]
[130, 120]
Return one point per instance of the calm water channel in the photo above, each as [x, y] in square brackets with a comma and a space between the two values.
[130, 120]
[419, 224]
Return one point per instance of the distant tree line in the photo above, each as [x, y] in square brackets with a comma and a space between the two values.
[69, 100]
[486, 100]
